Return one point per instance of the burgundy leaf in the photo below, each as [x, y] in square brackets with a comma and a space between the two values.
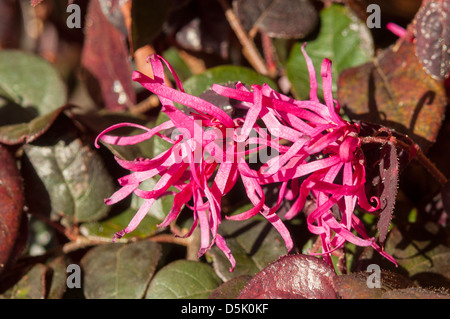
[11, 206]
[105, 56]
[293, 277]
[432, 32]
[389, 179]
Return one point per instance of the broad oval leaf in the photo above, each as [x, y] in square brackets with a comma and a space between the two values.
[393, 90]
[119, 271]
[293, 277]
[183, 279]
[342, 38]
[29, 86]
[65, 178]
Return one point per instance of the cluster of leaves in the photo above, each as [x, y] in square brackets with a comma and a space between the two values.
[60, 87]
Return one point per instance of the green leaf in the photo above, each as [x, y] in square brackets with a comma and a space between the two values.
[65, 177]
[108, 227]
[29, 86]
[224, 74]
[342, 38]
[254, 245]
[173, 57]
[183, 279]
[28, 132]
[422, 250]
[119, 271]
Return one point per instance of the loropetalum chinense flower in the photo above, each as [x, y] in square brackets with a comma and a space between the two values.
[318, 158]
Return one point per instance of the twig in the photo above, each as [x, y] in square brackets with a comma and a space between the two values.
[418, 156]
[148, 104]
[248, 46]
[425, 161]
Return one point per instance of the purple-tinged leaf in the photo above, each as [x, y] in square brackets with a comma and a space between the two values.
[432, 32]
[23, 96]
[293, 277]
[395, 91]
[105, 57]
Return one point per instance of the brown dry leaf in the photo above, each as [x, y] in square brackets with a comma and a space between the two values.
[395, 91]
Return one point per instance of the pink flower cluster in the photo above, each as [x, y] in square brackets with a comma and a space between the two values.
[318, 157]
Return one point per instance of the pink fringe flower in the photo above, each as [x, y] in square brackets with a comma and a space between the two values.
[203, 163]
[319, 156]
